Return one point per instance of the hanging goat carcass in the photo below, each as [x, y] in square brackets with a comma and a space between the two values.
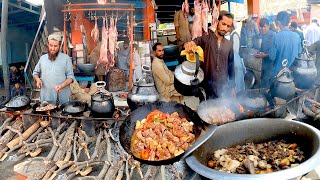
[95, 32]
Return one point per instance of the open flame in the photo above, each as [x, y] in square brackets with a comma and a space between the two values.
[241, 108]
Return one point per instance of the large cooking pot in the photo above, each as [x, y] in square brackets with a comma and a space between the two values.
[259, 130]
[304, 70]
[18, 103]
[102, 103]
[128, 126]
[188, 76]
[283, 85]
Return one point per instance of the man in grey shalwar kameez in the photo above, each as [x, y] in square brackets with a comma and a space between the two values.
[123, 55]
[53, 73]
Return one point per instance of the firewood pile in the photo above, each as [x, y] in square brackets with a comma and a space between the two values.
[67, 152]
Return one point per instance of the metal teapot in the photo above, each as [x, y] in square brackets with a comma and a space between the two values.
[143, 91]
[283, 85]
[304, 70]
[188, 76]
[102, 103]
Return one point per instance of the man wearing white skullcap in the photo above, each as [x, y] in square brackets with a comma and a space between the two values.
[53, 73]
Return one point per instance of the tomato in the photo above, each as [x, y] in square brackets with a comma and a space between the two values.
[145, 154]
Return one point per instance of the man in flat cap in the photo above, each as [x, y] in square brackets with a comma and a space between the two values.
[53, 73]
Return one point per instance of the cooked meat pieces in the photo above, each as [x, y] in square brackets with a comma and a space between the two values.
[257, 158]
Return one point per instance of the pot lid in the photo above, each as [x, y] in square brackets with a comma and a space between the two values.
[18, 101]
[285, 77]
[188, 68]
[100, 96]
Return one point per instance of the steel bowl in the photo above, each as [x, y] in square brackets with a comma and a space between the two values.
[257, 131]
[86, 67]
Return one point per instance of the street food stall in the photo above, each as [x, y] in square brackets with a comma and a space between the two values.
[246, 136]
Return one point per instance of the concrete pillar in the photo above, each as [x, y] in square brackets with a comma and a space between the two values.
[254, 7]
[4, 30]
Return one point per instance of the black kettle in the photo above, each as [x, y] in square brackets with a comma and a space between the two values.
[304, 70]
[188, 76]
[102, 103]
[283, 85]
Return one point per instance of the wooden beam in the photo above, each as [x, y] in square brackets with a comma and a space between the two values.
[15, 11]
[23, 8]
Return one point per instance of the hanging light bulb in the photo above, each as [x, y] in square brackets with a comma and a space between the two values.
[101, 1]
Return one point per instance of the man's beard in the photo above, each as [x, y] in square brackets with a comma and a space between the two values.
[160, 57]
[53, 56]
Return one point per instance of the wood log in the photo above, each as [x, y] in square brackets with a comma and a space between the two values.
[120, 172]
[50, 172]
[113, 170]
[5, 123]
[9, 134]
[66, 143]
[55, 142]
[60, 169]
[75, 156]
[107, 137]
[68, 154]
[95, 153]
[25, 134]
[55, 148]
[151, 172]
[103, 170]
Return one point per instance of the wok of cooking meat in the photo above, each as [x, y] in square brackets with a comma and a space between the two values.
[42, 107]
[161, 136]
[217, 111]
[129, 125]
[258, 158]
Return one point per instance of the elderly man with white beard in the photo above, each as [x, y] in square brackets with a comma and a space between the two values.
[53, 73]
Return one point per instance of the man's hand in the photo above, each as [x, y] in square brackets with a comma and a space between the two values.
[261, 55]
[190, 46]
[39, 84]
[87, 90]
[58, 88]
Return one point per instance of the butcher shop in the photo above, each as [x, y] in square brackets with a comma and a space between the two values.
[160, 89]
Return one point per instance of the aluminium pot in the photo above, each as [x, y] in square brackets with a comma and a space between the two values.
[188, 76]
[102, 102]
[257, 131]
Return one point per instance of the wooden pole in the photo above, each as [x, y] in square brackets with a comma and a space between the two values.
[64, 33]
[131, 50]
[4, 30]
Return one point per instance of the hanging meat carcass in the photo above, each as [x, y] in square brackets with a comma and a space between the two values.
[215, 16]
[112, 39]
[185, 8]
[104, 55]
[204, 15]
[95, 32]
[197, 22]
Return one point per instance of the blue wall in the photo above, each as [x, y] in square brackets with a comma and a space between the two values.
[16, 44]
